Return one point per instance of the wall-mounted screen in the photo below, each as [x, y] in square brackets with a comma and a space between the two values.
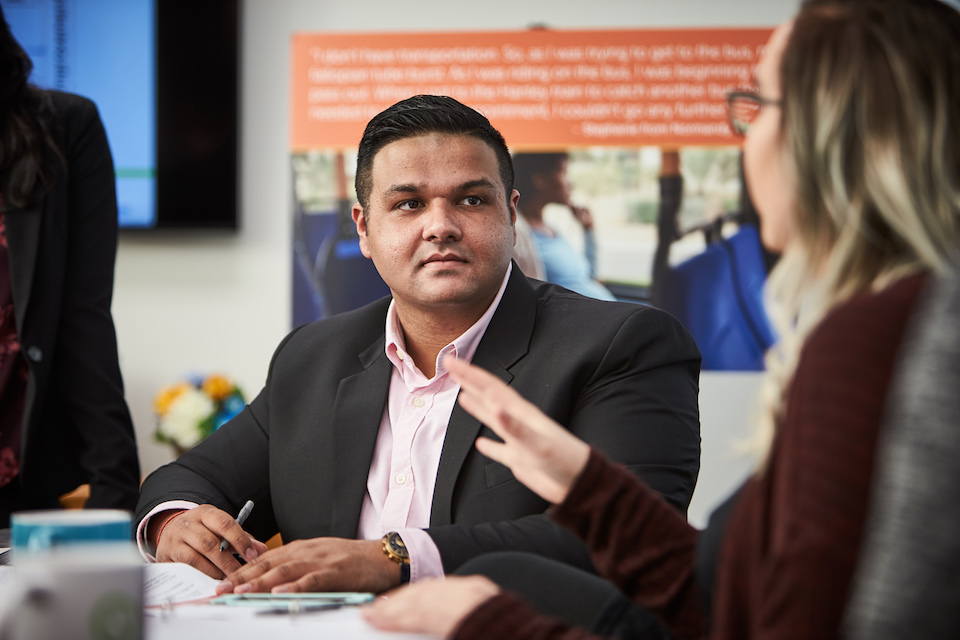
[163, 74]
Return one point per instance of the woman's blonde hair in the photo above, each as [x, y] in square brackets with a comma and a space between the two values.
[870, 115]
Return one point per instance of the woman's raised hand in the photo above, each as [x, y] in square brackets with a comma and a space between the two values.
[541, 454]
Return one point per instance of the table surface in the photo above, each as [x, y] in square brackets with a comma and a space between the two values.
[341, 623]
[204, 622]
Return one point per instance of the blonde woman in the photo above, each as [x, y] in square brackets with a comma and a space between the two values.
[852, 157]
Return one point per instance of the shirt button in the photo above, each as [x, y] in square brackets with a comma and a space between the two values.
[401, 478]
[35, 353]
[418, 402]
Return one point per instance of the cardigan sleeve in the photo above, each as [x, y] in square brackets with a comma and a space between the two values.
[637, 541]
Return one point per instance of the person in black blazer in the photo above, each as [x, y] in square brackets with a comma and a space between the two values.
[60, 225]
[623, 377]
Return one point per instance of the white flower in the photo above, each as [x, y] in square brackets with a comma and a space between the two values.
[182, 421]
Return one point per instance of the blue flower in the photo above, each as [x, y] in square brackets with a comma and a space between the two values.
[233, 405]
[196, 379]
[221, 419]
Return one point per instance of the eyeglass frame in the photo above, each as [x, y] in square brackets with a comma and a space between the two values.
[752, 96]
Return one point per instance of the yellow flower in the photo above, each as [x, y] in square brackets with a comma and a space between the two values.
[217, 387]
[166, 396]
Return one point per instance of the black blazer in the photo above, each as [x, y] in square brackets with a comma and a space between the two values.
[76, 425]
[623, 377]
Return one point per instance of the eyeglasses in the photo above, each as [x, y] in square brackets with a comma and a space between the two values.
[743, 107]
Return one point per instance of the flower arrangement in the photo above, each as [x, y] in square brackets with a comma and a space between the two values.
[190, 410]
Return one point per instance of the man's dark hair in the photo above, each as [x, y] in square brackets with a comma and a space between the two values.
[421, 115]
[528, 165]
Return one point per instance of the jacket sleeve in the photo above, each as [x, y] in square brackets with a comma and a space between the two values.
[88, 372]
[226, 469]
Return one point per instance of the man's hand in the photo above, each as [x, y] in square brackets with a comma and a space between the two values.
[436, 606]
[583, 216]
[318, 564]
[193, 537]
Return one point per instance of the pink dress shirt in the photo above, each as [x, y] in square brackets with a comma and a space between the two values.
[414, 423]
[404, 468]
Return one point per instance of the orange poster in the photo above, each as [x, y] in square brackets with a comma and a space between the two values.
[540, 88]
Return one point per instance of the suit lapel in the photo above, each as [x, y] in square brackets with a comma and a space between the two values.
[23, 239]
[505, 341]
[357, 411]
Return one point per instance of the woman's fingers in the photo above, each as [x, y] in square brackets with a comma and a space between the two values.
[491, 401]
[435, 606]
[541, 454]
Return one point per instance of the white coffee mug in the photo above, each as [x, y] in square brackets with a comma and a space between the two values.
[76, 592]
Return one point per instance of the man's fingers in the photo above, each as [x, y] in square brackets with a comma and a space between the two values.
[226, 528]
[311, 582]
[289, 577]
[268, 572]
[194, 538]
[216, 569]
[186, 554]
[244, 576]
[202, 564]
[248, 547]
[318, 564]
[205, 544]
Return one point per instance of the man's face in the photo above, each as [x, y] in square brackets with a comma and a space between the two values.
[555, 185]
[438, 227]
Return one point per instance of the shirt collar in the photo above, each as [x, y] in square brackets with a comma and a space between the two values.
[462, 347]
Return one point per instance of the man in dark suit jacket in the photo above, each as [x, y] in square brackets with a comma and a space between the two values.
[436, 216]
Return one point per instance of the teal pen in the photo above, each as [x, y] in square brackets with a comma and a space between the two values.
[241, 518]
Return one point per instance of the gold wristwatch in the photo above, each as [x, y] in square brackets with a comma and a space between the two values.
[397, 551]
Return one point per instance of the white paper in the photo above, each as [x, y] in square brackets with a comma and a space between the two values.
[168, 583]
[340, 623]
[203, 611]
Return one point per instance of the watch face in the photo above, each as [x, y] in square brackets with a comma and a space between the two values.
[396, 546]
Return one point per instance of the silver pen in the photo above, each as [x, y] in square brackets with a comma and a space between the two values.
[241, 518]
[294, 608]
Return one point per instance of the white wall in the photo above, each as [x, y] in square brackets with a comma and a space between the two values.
[192, 302]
